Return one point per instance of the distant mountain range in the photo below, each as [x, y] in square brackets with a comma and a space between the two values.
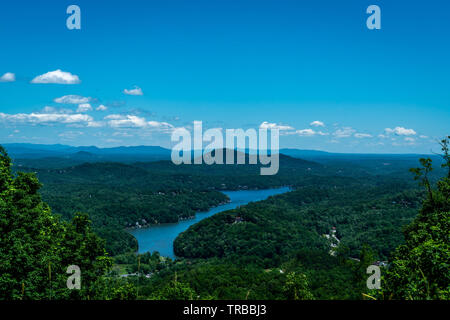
[40, 156]
[36, 151]
[154, 153]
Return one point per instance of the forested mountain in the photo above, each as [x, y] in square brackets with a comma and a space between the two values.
[60, 156]
[274, 248]
[36, 151]
[272, 229]
[119, 196]
[286, 233]
[314, 242]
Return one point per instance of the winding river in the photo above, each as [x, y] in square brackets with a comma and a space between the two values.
[161, 237]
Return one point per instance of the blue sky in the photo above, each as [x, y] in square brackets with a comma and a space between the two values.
[310, 67]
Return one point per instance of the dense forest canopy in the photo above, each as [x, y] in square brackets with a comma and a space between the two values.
[119, 196]
[314, 242]
[37, 247]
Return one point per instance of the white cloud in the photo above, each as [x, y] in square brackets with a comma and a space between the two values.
[317, 124]
[70, 135]
[114, 117]
[267, 125]
[409, 139]
[305, 132]
[288, 130]
[400, 131]
[122, 134]
[8, 77]
[48, 110]
[119, 121]
[362, 135]
[95, 124]
[423, 137]
[309, 133]
[134, 92]
[72, 99]
[101, 108]
[344, 132]
[84, 107]
[58, 77]
[46, 118]
[132, 121]
[160, 125]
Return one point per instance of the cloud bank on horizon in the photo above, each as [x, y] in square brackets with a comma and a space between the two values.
[124, 125]
[133, 126]
[325, 89]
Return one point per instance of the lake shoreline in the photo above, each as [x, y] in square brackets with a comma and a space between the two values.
[150, 225]
[160, 237]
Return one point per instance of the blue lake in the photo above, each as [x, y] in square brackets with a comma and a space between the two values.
[160, 237]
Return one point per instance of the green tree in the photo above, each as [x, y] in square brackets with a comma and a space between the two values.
[446, 154]
[175, 290]
[36, 247]
[366, 258]
[296, 287]
[422, 173]
[419, 269]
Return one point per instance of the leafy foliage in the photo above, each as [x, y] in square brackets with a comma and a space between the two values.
[36, 247]
[273, 249]
[420, 267]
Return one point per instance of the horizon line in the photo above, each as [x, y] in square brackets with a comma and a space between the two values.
[168, 149]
